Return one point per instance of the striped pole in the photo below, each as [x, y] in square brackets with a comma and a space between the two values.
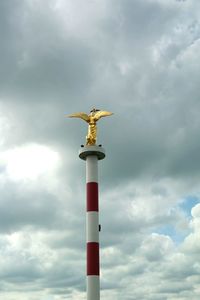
[92, 154]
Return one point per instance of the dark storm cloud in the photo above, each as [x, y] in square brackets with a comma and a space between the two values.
[22, 207]
[9, 43]
[53, 68]
[41, 62]
[143, 21]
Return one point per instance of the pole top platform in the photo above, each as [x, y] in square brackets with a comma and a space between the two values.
[92, 150]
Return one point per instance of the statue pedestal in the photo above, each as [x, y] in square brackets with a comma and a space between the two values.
[92, 150]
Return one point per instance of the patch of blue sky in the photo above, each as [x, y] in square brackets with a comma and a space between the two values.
[188, 203]
[171, 231]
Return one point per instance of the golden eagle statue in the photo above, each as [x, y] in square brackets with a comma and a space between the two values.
[91, 119]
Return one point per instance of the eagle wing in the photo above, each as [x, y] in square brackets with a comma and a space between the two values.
[80, 115]
[102, 113]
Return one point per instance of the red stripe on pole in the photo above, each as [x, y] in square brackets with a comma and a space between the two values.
[92, 196]
[92, 258]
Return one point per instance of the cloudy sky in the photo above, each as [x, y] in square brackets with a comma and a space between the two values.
[141, 60]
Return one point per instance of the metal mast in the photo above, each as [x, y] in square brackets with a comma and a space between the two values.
[91, 154]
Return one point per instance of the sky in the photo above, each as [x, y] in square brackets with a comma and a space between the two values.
[139, 59]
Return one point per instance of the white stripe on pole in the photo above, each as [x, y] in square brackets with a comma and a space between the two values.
[92, 226]
[91, 168]
[93, 288]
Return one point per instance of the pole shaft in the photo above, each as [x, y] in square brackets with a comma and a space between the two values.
[92, 228]
[91, 154]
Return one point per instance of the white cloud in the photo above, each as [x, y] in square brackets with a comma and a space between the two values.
[156, 247]
[191, 244]
[29, 161]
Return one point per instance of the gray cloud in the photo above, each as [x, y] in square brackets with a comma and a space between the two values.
[139, 59]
